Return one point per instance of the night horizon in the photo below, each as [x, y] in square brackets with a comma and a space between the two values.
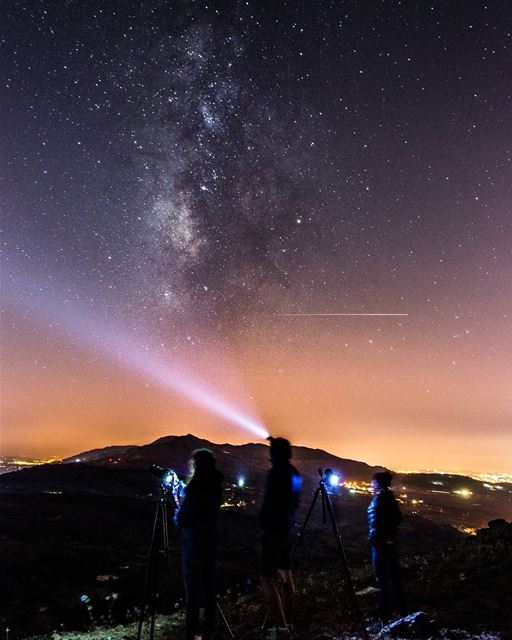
[43, 458]
[227, 219]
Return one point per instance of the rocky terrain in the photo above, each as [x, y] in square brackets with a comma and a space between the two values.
[461, 592]
[74, 540]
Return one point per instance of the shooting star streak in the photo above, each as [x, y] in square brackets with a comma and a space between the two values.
[342, 314]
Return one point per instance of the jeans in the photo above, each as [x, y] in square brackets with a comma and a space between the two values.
[199, 556]
[387, 571]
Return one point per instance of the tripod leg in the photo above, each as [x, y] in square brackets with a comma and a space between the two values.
[304, 525]
[156, 566]
[224, 620]
[165, 535]
[265, 620]
[153, 550]
[165, 528]
[344, 562]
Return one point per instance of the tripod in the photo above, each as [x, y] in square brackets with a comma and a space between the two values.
[160, 546]
[327, 509]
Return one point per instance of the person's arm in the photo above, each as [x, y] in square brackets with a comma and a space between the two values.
[376, 520]
[267, 505]
[184, 513]
[398, 513]
[390, 517]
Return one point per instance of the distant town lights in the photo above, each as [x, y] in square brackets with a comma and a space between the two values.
[241, 482]
[465, 493]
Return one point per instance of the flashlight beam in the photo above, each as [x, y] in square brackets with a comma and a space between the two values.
[88, 327]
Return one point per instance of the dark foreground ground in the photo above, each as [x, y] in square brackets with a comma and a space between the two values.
[56, 548]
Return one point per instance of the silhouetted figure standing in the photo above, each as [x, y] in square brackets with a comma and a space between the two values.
[197, 519]
[280, 503]
[383, 519]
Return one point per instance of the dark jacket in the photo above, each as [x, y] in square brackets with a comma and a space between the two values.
[383, 517]
[200, 505]
[281, 499]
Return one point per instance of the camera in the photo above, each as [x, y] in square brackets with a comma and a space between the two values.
[169, 481]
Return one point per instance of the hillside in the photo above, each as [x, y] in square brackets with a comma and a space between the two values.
[84, 528]
[447, 499]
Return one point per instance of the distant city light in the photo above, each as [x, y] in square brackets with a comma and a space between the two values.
[465, 529]
[465, 493]
[356, 487]
[241, 482]
[490, 478]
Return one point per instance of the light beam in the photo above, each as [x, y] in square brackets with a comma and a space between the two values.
[79, 323]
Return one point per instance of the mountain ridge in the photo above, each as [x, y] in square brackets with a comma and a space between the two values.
[123, 470]
[175, 451]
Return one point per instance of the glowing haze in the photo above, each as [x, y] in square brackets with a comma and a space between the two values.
[233, 217]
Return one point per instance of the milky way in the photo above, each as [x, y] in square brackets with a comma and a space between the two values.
[203, 171]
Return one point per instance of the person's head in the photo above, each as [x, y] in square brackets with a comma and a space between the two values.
[381, 480]
[203, 460]
[280, 450]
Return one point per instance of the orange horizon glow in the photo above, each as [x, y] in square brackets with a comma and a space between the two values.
[70, 452]
[363, 401]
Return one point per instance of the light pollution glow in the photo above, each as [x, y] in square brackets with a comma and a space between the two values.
[358, 403]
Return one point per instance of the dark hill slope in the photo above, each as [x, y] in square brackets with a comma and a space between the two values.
[78, 479]
[250, 460]
[97, 454]
[124, 470]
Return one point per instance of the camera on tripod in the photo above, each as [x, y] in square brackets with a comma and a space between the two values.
[330, 478]
[327, 485]
[169, 481]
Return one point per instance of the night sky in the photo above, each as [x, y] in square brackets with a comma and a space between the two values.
[179, 179]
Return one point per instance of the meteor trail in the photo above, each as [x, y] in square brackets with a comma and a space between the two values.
[343, 314]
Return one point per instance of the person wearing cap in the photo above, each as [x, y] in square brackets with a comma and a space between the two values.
[197, 519]
[384, 518]
[276, 518]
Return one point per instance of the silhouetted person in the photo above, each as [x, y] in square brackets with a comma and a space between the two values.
[383, 519]
[197, 519]
[280, 503]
